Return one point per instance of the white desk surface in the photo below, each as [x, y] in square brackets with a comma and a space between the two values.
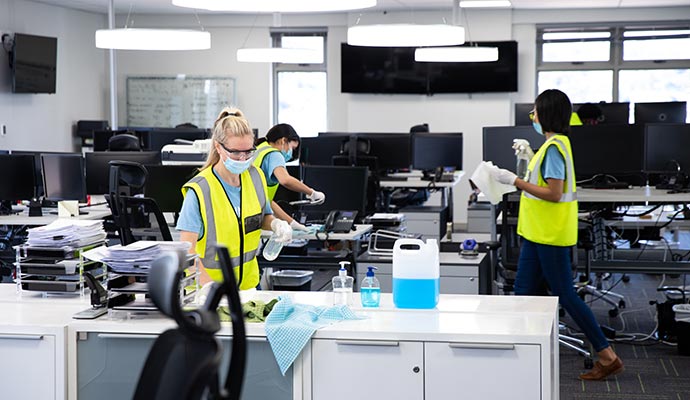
[360, 230]
[509, 317]
[417, 182]
[23, 218]
[635, 194]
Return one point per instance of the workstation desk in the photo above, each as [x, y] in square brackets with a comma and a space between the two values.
[464, 345]
[644, 260]
[412, 181]
[21, 217]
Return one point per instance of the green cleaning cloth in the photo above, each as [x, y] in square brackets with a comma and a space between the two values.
[253, 311]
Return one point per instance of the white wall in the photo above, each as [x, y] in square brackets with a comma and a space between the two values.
[44, 121]
[346, 112]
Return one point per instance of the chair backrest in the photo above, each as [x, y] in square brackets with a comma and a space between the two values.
[124, 142]
[184, 362]
[127, 179]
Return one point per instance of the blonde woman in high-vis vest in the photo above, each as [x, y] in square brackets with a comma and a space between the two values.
[227, 203]
[547, 222]
[272, 152]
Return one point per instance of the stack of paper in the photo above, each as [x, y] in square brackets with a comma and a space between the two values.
[67, 232]
[135, 257]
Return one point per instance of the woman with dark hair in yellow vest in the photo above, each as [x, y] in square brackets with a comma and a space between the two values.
[272, 152]
[547, 222]
[227, 203]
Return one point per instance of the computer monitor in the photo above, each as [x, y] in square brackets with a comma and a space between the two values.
[611, 113]
[159, 137]
[321, 150]
[285, 195]
[432, 150]
[98, 169]
[85, 129]
[102, 137]
[18, 178]
[391, 150]
[522, 111]
[345, 187]
[63, 177]
[616, 150]
[666, 148]
[672, 112]
[497, 144]
[164, 184]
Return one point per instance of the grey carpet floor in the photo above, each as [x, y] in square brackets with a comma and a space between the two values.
[653, 370]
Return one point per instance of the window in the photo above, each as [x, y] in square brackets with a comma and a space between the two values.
[615, 64]
[300, 90]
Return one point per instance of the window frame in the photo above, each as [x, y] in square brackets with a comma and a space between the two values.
[276, 40]
[616, 62]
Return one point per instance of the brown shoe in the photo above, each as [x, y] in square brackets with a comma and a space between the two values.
[601, 371]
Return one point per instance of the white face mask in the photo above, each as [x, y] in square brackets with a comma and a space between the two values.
[237, 167]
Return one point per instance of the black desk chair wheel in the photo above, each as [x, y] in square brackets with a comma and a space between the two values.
[184, 362]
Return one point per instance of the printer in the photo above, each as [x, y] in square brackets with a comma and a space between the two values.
[184, 152]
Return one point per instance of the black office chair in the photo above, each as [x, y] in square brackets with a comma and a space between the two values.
[184, 362]
[124, 142]
[127, 179]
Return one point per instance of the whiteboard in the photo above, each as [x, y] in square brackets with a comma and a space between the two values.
[170, 101]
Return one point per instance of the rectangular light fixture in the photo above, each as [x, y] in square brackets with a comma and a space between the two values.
[484, 3]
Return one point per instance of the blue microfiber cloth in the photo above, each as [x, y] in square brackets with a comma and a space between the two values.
[289, 327]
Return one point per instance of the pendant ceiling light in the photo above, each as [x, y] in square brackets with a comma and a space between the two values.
[484, 3]
[280, 55]
[276, 5]
[456, 54]
[405, 35]
[129, 38]
[152, 39]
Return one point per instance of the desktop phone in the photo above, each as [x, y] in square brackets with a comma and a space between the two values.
[339, 221]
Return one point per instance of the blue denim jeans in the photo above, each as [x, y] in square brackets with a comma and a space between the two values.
[539, 263]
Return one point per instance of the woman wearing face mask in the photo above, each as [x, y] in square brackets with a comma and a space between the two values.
[547, 222]
[227, 203]
[272, 152]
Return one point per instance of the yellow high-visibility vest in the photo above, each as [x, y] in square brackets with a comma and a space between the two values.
[546, 222]
[221, 224]
[262, 151]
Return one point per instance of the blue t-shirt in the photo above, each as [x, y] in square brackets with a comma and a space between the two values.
[553, 165]
[272, 161]
[190, 213]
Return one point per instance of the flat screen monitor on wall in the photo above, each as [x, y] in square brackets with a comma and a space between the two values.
[394, 70]
[671, 112]
[34, 60]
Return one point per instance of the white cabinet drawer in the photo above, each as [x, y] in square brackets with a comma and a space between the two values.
[482, 371]
[367, 370]
[28, 365]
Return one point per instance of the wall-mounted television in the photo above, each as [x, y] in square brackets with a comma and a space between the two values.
[393, 70]
[34, 60]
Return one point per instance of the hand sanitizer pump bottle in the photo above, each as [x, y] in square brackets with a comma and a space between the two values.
[342, 286]
[370, 289]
